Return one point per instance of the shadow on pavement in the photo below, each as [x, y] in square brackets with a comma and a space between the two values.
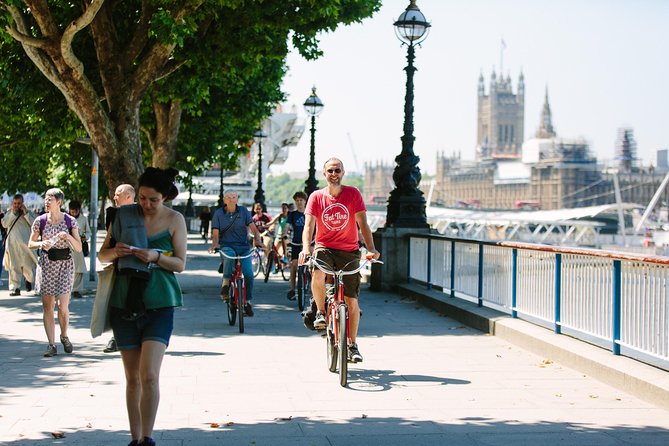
[369, 431]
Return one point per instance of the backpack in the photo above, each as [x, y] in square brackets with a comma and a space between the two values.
[44, 217]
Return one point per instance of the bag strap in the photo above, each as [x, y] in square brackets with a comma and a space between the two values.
[231, 223]
[4, 239]
[43, 218]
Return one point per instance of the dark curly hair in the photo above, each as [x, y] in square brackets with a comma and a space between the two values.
[162, 180]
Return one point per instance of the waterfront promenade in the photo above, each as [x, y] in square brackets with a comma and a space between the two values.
[426, 380]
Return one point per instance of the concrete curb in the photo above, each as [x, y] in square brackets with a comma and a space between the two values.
[641, 380]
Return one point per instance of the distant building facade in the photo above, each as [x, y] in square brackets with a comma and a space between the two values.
[546, 172]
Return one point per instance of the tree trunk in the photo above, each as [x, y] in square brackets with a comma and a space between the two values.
[125, 75]
[164, 140]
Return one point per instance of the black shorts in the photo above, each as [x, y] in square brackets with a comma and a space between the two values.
[345, 260]
[295, 251]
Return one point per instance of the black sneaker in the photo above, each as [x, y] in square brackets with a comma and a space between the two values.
[29, 286]
[248, 310]
[354, 354]
[111, 346]
[291, 295]
[67, 345]
[225, 293]
[147, 441]
[51, 350]
[16, 292]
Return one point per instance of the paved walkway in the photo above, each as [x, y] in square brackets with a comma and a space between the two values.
[426, 380]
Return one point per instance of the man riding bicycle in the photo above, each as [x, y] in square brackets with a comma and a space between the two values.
[337, 211]
[230, 226]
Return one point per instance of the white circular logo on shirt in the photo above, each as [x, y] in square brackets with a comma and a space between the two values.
[335, 217]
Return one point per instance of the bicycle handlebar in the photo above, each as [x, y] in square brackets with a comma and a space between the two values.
[218, 250]
[320, 264]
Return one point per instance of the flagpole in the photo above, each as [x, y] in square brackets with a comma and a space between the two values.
[502, 45]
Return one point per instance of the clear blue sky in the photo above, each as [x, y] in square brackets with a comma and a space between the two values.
[605, 63]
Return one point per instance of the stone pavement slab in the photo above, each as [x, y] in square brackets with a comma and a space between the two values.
[426, 379]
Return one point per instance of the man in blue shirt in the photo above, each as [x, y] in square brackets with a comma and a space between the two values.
[295, 223]
[230, 227]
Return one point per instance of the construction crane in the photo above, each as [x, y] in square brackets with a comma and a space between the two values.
[355, 159]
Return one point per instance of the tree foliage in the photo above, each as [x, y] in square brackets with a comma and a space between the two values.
[184, 77]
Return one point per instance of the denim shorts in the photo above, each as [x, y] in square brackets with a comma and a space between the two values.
[154, 325]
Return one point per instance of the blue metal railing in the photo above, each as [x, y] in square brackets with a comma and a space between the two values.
[614, 300]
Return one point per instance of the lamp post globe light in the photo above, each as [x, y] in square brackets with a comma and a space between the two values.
[313, 106]
[406, 205]
[259, 196]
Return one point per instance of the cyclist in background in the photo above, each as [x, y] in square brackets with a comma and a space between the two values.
[278, 224]
[261, 220]
[230, 227]
[295, 224]
[334, 211]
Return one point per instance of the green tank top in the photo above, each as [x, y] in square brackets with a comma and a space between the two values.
[163, 289]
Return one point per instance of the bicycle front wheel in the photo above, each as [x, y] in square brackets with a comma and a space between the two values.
[306, 284]
[256, 261]
[241, 287]
[331, 342]
[342, 314]
[270, 263]
[285, 269]
[232, 310]
[299, 288]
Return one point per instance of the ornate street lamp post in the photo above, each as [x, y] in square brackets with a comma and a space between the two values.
[259, 196]
[406, 205]
[221, 191]
[313, 106]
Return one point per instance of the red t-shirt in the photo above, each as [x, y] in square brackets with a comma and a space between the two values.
[335, 217]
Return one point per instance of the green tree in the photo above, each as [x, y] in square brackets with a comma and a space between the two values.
[131, 49]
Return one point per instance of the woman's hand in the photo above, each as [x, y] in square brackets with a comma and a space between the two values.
[122, 250]
[145, 255]
[46, 245]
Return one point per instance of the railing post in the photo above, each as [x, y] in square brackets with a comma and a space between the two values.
[480, 292]
[429, 263]
[557, 327]
[452, 268]
[616, 305]
[514, 282]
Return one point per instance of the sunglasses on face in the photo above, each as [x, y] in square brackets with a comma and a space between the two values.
[334, 171]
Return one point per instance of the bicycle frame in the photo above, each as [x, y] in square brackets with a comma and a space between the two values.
[237, 299]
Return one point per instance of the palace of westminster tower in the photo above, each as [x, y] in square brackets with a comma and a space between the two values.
[546, 171]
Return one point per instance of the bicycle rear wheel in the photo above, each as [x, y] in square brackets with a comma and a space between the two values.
[331, 341]
[231, 308]
[342, 314]
[270, 263]
[241, 286]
